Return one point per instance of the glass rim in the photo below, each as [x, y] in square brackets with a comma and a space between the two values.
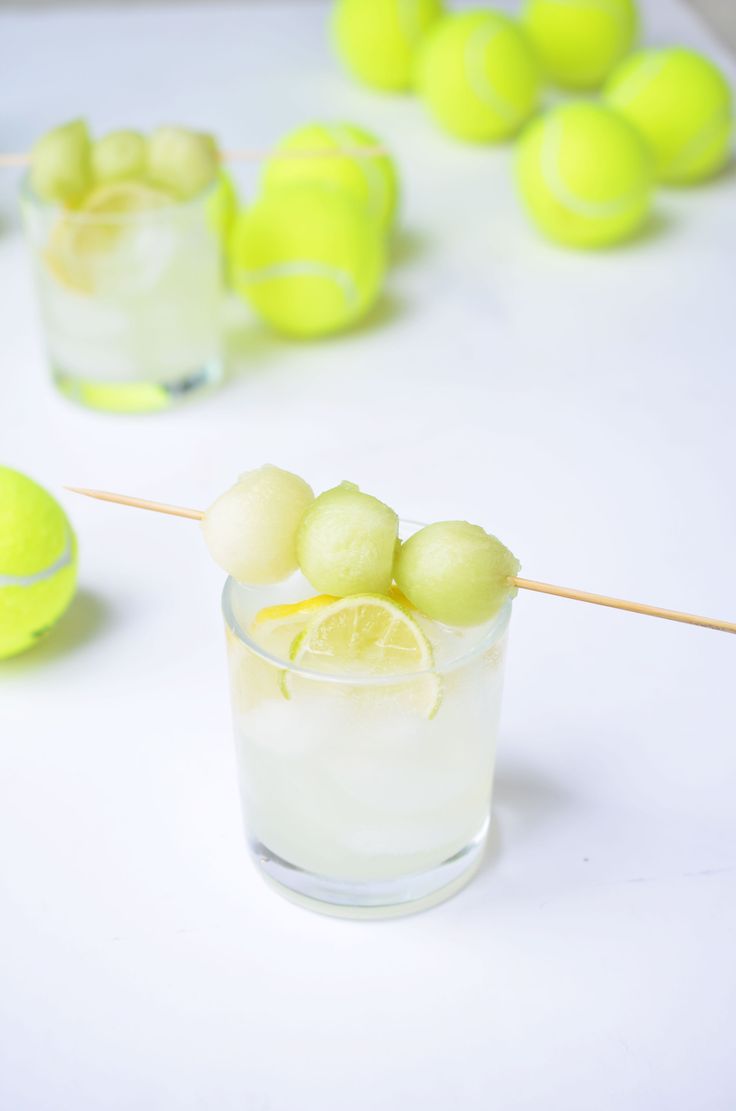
[75, 216]
[494, 632]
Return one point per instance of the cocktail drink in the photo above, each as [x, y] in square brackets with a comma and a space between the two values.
[366, 713]
[363, 794]
[129, 278]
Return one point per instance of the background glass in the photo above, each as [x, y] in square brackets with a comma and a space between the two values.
[130, 302]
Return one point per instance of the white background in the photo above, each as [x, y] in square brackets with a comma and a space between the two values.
[582, 407]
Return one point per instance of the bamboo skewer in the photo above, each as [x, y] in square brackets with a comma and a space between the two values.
[245, 155]
[522, 584]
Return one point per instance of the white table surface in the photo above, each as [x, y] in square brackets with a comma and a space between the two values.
[582, 407]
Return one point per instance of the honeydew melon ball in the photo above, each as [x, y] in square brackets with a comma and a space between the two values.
[38, 562]
[372, 180]
[119, 156]
[478, 76]
[60, 164]
[683, 106]
[251, 529]
[377, 40]
[307, 259]
[456, 573]
[578, 42]
[181, 160]
[585, 175]
[347, 543]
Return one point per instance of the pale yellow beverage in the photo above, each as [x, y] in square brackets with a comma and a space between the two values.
[362, 795]
[130, 295]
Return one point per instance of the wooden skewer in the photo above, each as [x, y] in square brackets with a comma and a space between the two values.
[139, 503]
[522, 584]
[247, 155]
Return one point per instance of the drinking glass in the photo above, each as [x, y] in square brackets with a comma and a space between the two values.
[130, 301]
[364, 797]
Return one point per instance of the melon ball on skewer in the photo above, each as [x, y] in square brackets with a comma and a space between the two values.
[456, 573]
[60, 164]
[347, 542]
[119, 156]
[251, 529]
[184, 161]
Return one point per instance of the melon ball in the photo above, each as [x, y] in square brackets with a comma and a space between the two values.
[347, 542]
[119, 156]
[251, 529]
[60, 164]
[184, 161]
[456, 573]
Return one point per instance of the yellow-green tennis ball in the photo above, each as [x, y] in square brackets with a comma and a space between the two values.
[377, 40]
[308, 259]
[372, 180]
[683, 106]
[478, 76]
[579, 42]
[585, 175]
[221, 206]
[38, 562]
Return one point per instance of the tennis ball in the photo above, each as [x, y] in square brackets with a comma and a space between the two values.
[347, 542]
[585, 175]
[222, 206]
[682, 105]
[478, 76]
[377, 39]
[251, 529]
[578, 42]
[60, 164]
[307, 259]
[456, 573]
[183, 161]
[119, 156]
[38, 562]
[372, 180]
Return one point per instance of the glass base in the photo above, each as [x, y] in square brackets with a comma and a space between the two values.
[374, 898]
[137, 397]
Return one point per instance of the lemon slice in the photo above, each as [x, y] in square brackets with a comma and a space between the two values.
[275, 627]
[369, 635]
[82, 240]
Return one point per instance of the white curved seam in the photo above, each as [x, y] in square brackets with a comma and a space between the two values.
[479, 80]
[374, 180]
[630, 87]
[46, 573]
[408, 22]
[699, 143]
[306, 268]
[552, 177]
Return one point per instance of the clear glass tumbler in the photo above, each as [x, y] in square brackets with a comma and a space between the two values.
[130, 301]
[364, 798]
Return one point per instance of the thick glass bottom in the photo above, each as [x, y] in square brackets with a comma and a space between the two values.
[375, 898]
[137, 397]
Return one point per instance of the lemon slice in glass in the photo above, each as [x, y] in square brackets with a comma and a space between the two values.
[275, 627]
[84, 243]
[365, 636]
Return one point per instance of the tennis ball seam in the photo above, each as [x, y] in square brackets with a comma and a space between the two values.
[631, 86]
[479, 82]
[552, 176]
[699, 143]
[409, 24]
[304, 268]
[64, 560]
[375, 182]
